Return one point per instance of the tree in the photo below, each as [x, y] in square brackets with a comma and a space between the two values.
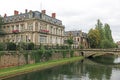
[99, 27]
[106, 44]
[108, 34]
[94, 38]
[101, 36]
[70, 41]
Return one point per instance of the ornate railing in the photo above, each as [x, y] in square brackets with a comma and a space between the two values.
[44, 31]
[15, 31]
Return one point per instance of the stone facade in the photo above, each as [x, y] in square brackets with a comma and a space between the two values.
[33, 26]
[79, 38]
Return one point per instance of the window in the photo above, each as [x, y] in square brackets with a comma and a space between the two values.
[31, 15]
[78, 39]
[22, 27]
[77, 34]
[42, 39]
[12, 28]
[50, 39]
[21, 37]
[36, 26]
[30, 26]
[8, 28]
[51, 29]
[17, 27]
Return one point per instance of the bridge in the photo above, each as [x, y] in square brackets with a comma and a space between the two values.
[98, 52]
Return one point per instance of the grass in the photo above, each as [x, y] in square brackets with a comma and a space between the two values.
[13, 71]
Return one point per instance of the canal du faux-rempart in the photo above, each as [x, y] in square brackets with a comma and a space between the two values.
[104, 67]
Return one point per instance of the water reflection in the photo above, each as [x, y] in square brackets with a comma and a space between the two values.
[117, 59]
[82, 70]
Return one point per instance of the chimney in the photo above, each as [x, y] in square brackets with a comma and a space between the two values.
[16, 12]
[26, 10]
[30, 11]
[5, 15]
[53, 15]
[43, 11]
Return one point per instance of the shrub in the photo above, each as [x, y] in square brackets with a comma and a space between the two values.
[30, 46]
[22, 46]
[11, 46]
[2, 46]
[71, 53]
[64, 54]
[81, 46]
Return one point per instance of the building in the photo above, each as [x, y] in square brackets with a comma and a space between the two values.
[80, 39]
[118, 44]
[33, 26]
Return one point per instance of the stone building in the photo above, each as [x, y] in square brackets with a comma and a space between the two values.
[118, 44]
[33, 26]
[80, 38]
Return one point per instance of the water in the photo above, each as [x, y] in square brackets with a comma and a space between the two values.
[100, 68]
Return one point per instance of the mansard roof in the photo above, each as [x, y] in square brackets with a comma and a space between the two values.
[32, 15]
[76, 33]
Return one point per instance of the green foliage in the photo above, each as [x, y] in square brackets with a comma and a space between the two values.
[108, 34]
[25, 46]
[64, 47]
[11, 46]
[99, 27]
[106, 44]
[48, 54]
[81, 46]
[101, 36]
[70, 42]
[2, 46]
[30, 46]
[22, 46]
[42, 54]
[94, 38]
[71, 53]
[64, 53]
[37, 55]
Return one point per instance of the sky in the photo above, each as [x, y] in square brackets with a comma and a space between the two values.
[75, 14]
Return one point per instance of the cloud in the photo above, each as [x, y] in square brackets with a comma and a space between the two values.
[75, 14]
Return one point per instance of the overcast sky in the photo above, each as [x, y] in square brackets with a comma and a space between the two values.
[75, 14]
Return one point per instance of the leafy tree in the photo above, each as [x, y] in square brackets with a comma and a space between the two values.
[101, 36]
[70, 41]
[108, 34]
[2, 46]
[106, 44]
[94, 38]
[99, 27]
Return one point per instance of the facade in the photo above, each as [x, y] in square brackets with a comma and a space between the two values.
[118, 44]
[33, 26]
[79, 38]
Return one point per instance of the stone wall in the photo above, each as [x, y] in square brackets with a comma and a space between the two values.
[10, 59]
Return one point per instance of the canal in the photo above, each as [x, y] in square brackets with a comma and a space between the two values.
[105, 67]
